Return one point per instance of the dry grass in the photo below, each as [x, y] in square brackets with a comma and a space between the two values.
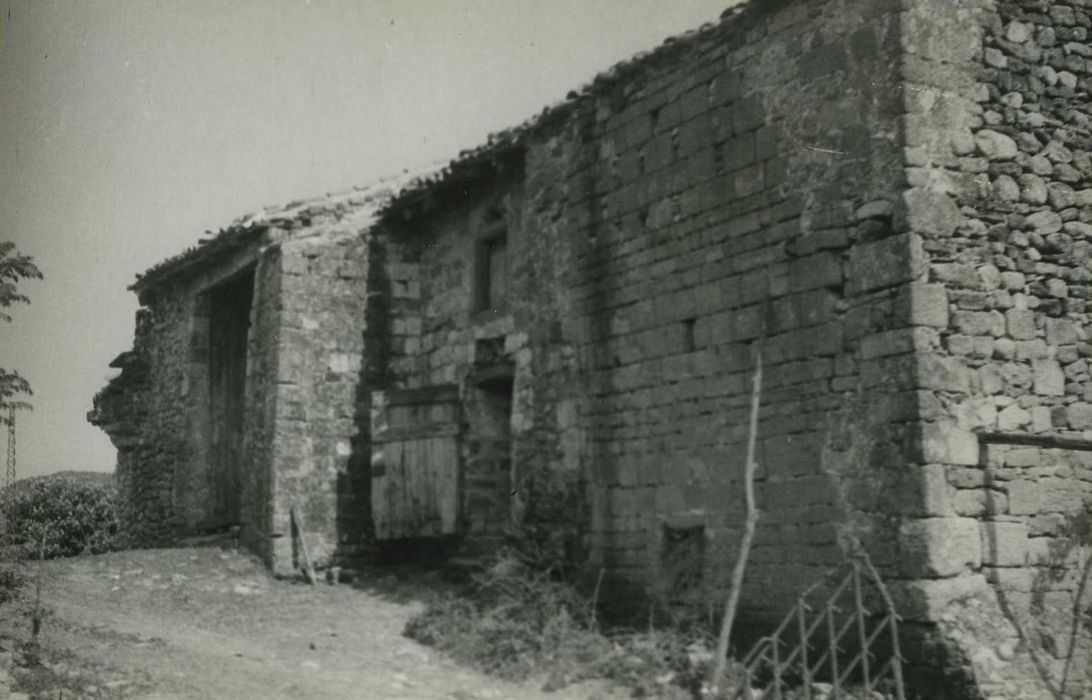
[517, 620]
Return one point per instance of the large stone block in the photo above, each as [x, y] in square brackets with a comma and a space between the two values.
[886, 263]
[1045, 222]
[947, 443]
[929, 600]
[1061, 331]
[820, 61]
[896, 342]
[995, 145]
[815, 272]
[957, 275]
[1013, 579]
[1048, 378]
[923, 304]
[941, 373]
[1079, 416]
[934, 492]
[927, 212]
[1004, 543]
[979, 502]
[1025, 497]
[1018, 32]
[1013, 417]
[979, 322]
[1033, 189]
[939, 547]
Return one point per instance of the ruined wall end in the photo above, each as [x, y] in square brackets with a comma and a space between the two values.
[120, 410]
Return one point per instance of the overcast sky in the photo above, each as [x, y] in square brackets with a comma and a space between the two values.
[130, 127]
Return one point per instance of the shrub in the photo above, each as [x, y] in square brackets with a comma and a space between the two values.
[517, 620]
[60, 515]
[511, 621]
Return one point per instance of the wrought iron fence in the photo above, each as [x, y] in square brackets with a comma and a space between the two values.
[834, 650]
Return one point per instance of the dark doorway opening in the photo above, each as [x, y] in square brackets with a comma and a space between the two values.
[488, 479]
[229, 326]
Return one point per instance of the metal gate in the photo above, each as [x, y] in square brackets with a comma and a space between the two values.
[415, 462]
[848, 642]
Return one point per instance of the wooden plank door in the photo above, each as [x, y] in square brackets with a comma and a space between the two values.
[415, 462]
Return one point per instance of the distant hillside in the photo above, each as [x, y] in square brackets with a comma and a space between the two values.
[104, 479]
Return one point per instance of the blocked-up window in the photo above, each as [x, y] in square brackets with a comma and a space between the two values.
[682, 563]
[492, 272]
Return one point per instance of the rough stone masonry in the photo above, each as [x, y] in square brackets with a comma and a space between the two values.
[891, 199]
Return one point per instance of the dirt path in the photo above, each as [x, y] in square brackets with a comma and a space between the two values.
[203, 623]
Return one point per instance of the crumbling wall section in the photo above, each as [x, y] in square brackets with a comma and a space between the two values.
[997, 135]
[120, 410]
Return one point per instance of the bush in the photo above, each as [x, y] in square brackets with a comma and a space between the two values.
[522, 615]
[60, 515]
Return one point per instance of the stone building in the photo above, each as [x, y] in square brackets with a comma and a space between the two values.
[891, 199]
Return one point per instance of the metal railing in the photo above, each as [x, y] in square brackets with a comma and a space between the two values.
[839, 643]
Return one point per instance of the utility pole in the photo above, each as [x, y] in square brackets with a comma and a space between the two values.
[9, 478]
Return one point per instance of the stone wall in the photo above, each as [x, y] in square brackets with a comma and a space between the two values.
[997, 136]
[737, 187]
[320, 338]
[437, 336]
[890, 201]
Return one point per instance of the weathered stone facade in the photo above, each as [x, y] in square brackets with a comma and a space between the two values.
[890, 200]
[997, 143]
[304, 342]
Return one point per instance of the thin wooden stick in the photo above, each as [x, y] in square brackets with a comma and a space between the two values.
[310, 570]
[595, 600]
[748, 533]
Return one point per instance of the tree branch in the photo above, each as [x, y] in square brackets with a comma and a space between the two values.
[746, 543]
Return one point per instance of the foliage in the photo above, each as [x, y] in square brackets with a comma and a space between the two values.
[60, 515]
[548, 530]
[518, 618]
[14, 268]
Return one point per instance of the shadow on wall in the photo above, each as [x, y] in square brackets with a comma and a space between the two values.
[356, 530]
[1042, 598]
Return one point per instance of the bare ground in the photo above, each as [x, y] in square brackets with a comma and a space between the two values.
[207, 623]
